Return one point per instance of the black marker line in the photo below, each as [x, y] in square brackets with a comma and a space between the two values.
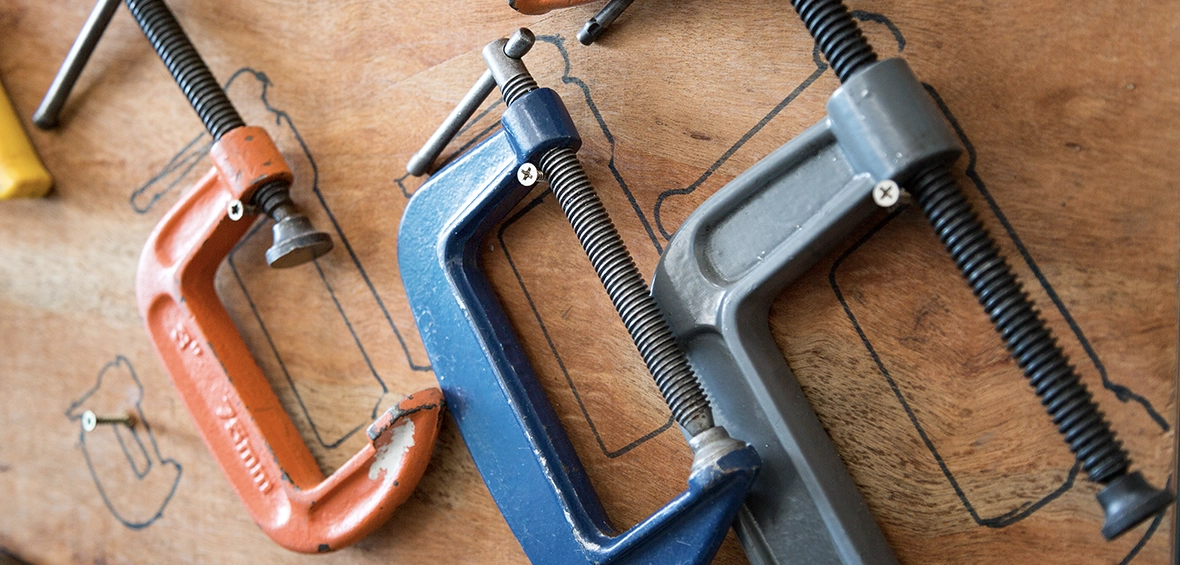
[1122, 392]
[559, 42]
[280, 117]
[1008, 518]
[131, 458]
[1155, 524]
[820, 68]
[610, 454]
[189, 161]
[355, 338]
[121, 360]
[282, 365]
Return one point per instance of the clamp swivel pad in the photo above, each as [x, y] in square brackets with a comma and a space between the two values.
[295, 241]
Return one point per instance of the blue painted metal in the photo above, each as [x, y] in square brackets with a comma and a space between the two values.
[512, 431]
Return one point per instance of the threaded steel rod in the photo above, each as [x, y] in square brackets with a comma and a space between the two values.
[837, 34]
[187, 68]
[626, 287]
[627, 290]
[1029, 340]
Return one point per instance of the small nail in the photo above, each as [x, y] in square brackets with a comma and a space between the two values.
[91, 421]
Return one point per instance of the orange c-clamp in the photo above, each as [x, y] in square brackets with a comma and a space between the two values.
[238, 414]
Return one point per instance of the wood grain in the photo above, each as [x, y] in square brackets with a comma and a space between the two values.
[1069, 109]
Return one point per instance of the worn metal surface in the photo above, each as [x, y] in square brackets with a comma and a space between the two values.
[510, 428]
[238, 414]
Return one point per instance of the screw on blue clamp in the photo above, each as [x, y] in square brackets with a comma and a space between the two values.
[513, 433]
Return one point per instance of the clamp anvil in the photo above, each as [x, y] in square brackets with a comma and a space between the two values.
[236, 411]
[745, 244]
[511, 430]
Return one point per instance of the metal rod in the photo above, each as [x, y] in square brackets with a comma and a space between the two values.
[434, 146]
[47, 113]
[515, 48]
[603, 19]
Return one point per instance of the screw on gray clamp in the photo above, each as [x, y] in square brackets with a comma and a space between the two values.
[723, 268]
[296, 241]
[514, 435]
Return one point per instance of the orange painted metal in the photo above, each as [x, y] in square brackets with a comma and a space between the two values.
[543, 6]
[235, 409]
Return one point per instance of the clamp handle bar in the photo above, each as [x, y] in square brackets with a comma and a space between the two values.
[46, 116]
[518, 45]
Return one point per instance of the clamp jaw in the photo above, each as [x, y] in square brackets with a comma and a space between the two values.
[514, 435]
[737, 252]
[239, 417]
[238, 414]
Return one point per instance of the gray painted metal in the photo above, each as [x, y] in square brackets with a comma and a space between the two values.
[739, 250]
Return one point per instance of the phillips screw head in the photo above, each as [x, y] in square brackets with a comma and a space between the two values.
[886, 193]
[527, 174]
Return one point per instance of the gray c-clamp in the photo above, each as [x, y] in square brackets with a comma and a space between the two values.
[739, 250]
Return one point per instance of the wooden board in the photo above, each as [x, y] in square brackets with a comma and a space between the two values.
[1069, 110]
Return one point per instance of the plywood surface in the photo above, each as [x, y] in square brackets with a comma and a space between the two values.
[1069, 110]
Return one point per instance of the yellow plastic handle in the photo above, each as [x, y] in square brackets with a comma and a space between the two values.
[21, 173]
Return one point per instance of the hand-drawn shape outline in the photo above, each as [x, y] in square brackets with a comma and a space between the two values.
[189, 157]
[152, 456]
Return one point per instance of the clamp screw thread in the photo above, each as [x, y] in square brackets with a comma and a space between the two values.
[627, 290]
[837, 34]
[1016, 319]
[517, 86]
[187, 68]
[1127, 499]
[616, 269]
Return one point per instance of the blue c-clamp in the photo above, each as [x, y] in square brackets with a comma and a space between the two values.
[511, 430]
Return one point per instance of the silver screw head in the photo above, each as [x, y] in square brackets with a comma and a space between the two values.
[236, 210]
[886, 193]
[527, 174]
[89, 421]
